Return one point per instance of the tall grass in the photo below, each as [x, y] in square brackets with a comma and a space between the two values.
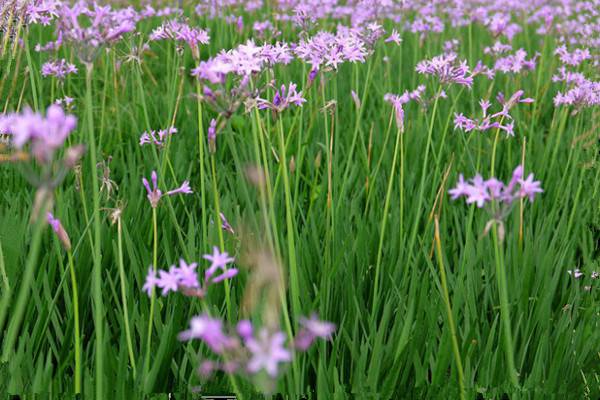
[425, 307]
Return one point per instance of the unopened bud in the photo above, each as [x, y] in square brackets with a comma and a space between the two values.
[59, 230]
[73, 154]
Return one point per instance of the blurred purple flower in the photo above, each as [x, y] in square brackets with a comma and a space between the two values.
[267, 352]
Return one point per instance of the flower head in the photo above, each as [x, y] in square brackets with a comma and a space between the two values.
[154, 194]
[58, 69]
[45, 134]
[267, 352]
[284, 98]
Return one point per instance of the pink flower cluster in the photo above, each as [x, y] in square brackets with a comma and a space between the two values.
[45, 134]
[284, 98]
[185, 277]
[490, 121]
[481, 192]
[157, 138]
[181, 32]
[249, 350]
[58, 69]
[155, 194]
[447, 69]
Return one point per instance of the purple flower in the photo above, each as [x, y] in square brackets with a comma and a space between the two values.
[313, 328]
[284, 98]
[394, 37]
[491, 121]
[186, 274]
[168, 281]
[244, 329]
[59, 230]
[154, 194]
[92, 28]
[209, 330]
[529, 187]
[396, 102]
[212, 135]
[157, 138]
[447, 69]
[219, 261]
[178, 31]
[481, 192]
[151, 281]
[44, 134]
[515, 63]
[575, 273]
[225, 224]
[59, 69]
[572, 58]
[267, 352]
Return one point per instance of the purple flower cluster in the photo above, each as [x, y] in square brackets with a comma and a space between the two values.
[447, 69]
[181, 32]
[185, 277]
[157, 138]
[44, 134]
[249, 350]
[58, 69]
[89, 28]
[244, 60]
[492, 121]
[398, 103]
[284, 98]
[155, 194]
[515, 63]
[482, 192]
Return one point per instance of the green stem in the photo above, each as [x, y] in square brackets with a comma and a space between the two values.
[152, 299]
[201, 160]
[504, 309]
[446, 295]
[23, 296]
[97, 272]
[220, 231]
[386, 207]
[124, 299]
[295, 292]
[77, 333]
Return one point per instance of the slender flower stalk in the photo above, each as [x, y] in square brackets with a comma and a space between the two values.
[77, 332]
[449, 314]
[504, 307]
[147, 382]
[97, 255]
[399, 134]
[124, 305]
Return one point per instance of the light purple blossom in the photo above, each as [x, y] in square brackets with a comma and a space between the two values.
[492, 121]
[58, 69]
[154, 194]
[44, 134]
[179, 31]
[482, 192]
[267, 352]
[284, 98]
[447, 69]
[313, 328]
[219, 261]
[394, 37]
[58, 229]
[157, 138]
[576, 273]
[209, 330]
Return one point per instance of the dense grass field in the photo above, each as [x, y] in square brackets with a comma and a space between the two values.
[337, 200]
